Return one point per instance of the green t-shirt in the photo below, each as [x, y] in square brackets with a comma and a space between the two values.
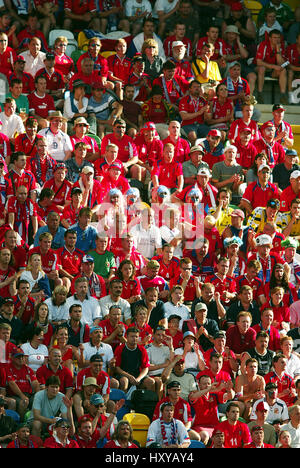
[103, 263]
[21, 102]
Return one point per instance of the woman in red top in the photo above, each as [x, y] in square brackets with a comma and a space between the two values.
[61, 339]
[221, 109]
[281, 312]
[131, 285]
[40, 320]
[140, 321]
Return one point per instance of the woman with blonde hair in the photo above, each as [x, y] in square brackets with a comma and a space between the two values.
[63, 63]
[37, 278]
[153, 62]
[57, 304]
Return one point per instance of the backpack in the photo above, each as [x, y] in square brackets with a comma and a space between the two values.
[144, 401]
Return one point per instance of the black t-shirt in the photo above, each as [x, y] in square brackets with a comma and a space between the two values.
[235, 308]
[131, 361]
[264, 362]
[158, 313]
[294, 333]
[281, 175]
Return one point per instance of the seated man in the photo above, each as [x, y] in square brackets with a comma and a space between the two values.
[40, 102]
[238, 88]
[174, 87]
[132, 363]
[292, 53]
[229, 174]
[205, 69]
[270, 57]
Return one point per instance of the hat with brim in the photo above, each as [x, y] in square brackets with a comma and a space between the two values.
[55, 115]
[90, 381]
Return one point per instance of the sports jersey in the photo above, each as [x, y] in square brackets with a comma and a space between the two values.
[206, 410]
[79, 7]
[27, 81]
[190, 289]
[168, 42]
[182, 149]
[61, 193]
[256, 195]
[64, 374]
[49, 259]
[149, 152]
[119, 67]
[221, 285]
[16, 179]
[237, 435]
[41, 105]
[183, 69]
[70, 214]
[173, 89]
[158, 282]
[167, 173]
[167, 271]
[140, 90]
[221, 48]
[182, 410]
[267, 265]
[42, 169]
[23, 213]
[4, 274]
[274, 151]
[127, 149]
[189, 105]
[108, 329]
[284, 382]
[219, 111]
[238, 125]
[131, 288]
[55, 81]
[103, 380]
[245, 154]
[100, 64]
[28, 312]
[7, 60]
[64, 64]
[266, 53]
[256, 284]
[58, 143]
[22, 377]
[286, 198]
[25, 144]
[90, 142]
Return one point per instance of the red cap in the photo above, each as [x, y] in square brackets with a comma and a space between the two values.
[236, 6]
[266, 125]
[215, 132]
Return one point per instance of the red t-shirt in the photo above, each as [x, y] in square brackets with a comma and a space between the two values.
[41, 106]
[190, 106]
[236, 436]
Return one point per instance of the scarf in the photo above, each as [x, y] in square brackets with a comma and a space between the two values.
[17, 443]
[265, 277]
[175, 84]
[270, 150]
[94, 286]
[38, 170]
[87, 202]
[240, 88]
[173, 437]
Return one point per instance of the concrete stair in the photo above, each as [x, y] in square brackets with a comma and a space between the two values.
[291, 115]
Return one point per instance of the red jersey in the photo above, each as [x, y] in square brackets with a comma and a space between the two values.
[183, 69]
[238, 125]
[23, 213]
[90, 142]
[173, 89]
[256, 284]
[167, 271]
[274, 336]
[49, 259]
[131, 288]
[140, 90]
[70, 261]
[61, 193]
[23, 143]
[26, 35]
[70, 215]
[100, 64]
[42, 169]
[267, 265]
[226, 368]
[27, 80]
[108, 184]
[101, 167]
[144, 332]
[258, 196]
[206, 410]
[55, 81]
[182, 149]
[286, 198]
[240, 343]
[135, 257]
[221, 48]
[190, 106]
[176, 339]
[103, 380]
[28, 312]
[209, 194]
[168, 46]
[219, 110]
[190, 289]
[79, 7]
[266, 53]
[41, 105]
[245, 154]
[64, 374]
[108, 330]
[7, 60]
[22, 377]
[155, 112]
[64, 64]
[236, 436]
[16, 180]
[97, 286]
[158, 282]
[275, 152]
[127, 148]
[221, 285]
[149, 152]
[293, 55]
[285, 382]
[281, 312]
[119, 67]
[167, 173]
[53, 443]
[182, 410]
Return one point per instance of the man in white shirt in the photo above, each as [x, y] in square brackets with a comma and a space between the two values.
[12, 123]
[146, 235]
[90, 307]
[34, 58]
[114, 298]
[293, 427]
[59, 142]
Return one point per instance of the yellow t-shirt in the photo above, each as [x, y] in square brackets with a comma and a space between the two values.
[214, 72]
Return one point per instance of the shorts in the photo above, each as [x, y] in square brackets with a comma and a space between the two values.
[207, 429]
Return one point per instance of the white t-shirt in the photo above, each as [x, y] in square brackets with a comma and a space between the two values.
[157, 355]
[191, 359]
[146, 241]
[58, 143]
[182, 310]
[105, 351]
[36, 357]
[155, 433]
[132, 6]
[57, 313]
[90, 309]
[163, 5]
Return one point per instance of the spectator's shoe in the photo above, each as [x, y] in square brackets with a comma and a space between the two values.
[283, 99]
[260, 98]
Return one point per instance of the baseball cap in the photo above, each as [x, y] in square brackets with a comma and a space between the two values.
[215, 132]
[50, 56]
[90, 381]
[295, 175]
[148, 126]
[216, 431]
[153, 264]
[60, 165]
[87, 170]
[197, 148]
[267, 124]
[75, 190]
[233, 64]
[263, 166]
[96, 399]
[88, 259]
[200, 306]
[256, 428]
[204, 172]
[163, 191]
[273, 203]
[137, 58]
[133, 191]
[278, 107]
[220, 334]
[264, 239]
[246, 129]
[195, 192]
[20, 58]
[291, 152]
[120, 122]
[96, 357]
[177, 44]
[236, 6]
[238, 213]
[188, 333]
[174, 316]
[262, 406]
[8, 300]
[18, 353]
[173, 384]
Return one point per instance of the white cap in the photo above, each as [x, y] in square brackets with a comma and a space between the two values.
[295, 175]
[264, 239]
[264, 166]
[204, 171]
[177, 44]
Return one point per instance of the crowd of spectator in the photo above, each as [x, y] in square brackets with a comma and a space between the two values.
[149, 224]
